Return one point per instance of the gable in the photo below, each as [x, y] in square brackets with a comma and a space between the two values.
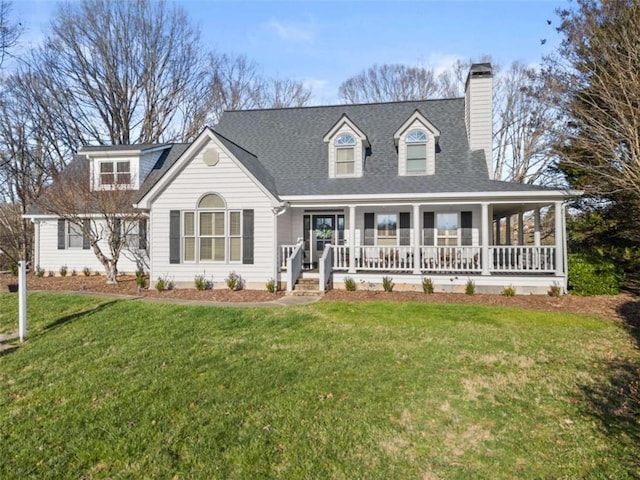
[214, 158]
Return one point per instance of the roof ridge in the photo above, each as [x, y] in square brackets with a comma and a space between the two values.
[338, 105]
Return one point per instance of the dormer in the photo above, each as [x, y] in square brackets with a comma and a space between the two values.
[416, 141]
[347, 148]
[122, 166]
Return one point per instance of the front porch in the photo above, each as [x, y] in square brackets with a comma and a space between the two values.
[494, 245]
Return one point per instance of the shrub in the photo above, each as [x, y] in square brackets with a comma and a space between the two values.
[74, 273]
[234, 281]
[271, 285]
[141, 279]
[202, 283]
[13, 269]
[427, 286]
[509, 291]
[162, 284]
[51, 274]
[63, 271]
[387, 284]
[555, 290]
[39, 271]
[86, 271]
[349, 284]
[593, 275]
[470, 288]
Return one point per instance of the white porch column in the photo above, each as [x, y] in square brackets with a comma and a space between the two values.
[507, 235]
[416, 239]
[565, 248]
[557, 214]
[536, 227]
[486, 226]
[520, 228]
[352, 239]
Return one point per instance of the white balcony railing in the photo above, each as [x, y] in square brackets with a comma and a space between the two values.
[522, 259]
[451, 259]
[284, 254]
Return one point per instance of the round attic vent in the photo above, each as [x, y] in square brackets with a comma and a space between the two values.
[211, 157]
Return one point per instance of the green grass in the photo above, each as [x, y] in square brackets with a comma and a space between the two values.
[125, 389]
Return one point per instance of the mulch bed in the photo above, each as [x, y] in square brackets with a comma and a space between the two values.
[623, 307]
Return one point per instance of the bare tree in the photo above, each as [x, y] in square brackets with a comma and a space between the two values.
[105, 217]
[238, 84]
[596, 81]
[389, 83]
[117, 72]
[10, 30]
[522, 124]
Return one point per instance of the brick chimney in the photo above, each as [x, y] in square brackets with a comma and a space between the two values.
[478, 110]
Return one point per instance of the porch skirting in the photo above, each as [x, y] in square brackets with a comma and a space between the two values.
[529, 284]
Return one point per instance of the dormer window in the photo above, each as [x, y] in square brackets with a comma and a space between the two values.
[416, 141]
[416, 152]
[345, 145]
[115, 173]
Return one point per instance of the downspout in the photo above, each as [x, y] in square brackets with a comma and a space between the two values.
[566, 247]
[277, 211]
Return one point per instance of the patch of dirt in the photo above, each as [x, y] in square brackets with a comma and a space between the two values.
[619, 307]
[127, 286]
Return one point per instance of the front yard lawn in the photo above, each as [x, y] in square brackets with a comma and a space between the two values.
[128, 389]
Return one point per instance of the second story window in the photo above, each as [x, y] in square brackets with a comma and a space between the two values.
[345, 146]
[416, 152]
[115, 173]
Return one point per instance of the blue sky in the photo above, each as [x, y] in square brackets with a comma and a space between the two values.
[325, 42]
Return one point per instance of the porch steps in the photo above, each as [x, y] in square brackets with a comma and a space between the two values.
[307, 285]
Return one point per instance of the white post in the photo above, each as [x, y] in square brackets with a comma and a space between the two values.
[486, 225]
[22, 300]
[536, 227]
[352, 239]
[416, 239]
[557, 213]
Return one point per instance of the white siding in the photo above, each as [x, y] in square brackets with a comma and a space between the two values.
[478, 116]
[134, 163]
[240, 192]
[51, 259]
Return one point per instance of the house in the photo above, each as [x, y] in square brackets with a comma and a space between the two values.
[400, 189]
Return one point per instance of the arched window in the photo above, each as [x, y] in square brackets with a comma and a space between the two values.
[345, 145]
[212, 232]
[416, 141]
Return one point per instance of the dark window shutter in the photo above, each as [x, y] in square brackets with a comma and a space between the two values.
[142, 234]
[428, 224]
[62, 234]
[86, 225]
[369, 229]
[174, 236]
[405, 228]
[306, 231]
[466, 224]
[247, 236]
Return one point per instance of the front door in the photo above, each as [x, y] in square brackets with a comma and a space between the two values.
[320, 230]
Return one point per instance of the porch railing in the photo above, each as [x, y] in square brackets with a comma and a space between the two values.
[451, 259]
[294, 266]
[502, 259]
[324, 267]
[524, 259]
[283, 255]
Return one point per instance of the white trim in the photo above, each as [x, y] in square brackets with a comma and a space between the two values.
[207, 135]
[345, 120]
[430, 127]
[392, 198]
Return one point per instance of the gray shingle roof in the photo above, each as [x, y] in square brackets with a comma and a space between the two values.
[289, 143]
